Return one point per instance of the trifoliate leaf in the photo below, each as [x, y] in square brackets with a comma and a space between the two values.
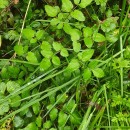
[31, 57]
[98, 72]
[76, 46]
[45, 45]
[45, 64]
[77, 14]
[73, 65]
[57, 46]
[39, 121]
[64, 52]
[39, 34]
[62, 119]
[28, 33]
[47, 124]
[47, 53]
[87, 74]
[52, 11]
[98, 37]
[87, 32]
[86, 55]
[67, 28]
[15, 101]
[36, 108]
[4, 107]
[56, 60]
[75, 34]
[88, 42]
[19, 50]
[12, 86]
[53, 114]
[67, 5]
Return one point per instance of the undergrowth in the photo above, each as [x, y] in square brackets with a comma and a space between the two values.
[64, 65]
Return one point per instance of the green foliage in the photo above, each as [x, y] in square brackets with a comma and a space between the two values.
[64, 65]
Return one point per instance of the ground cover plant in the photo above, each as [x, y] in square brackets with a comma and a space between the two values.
[64, 65]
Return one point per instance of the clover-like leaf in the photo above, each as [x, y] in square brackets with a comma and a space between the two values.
[15, 101]
[28, 33]
[85, 3]
[76, 46]
[64, 52]
[31, 57]
[52, 11]
[45, 64]
[67, 5]
[87, 74]
[19, 50]
[77, 14]
[98, 72]
[98, 37]
[56, 60]
[86, 55]
[73, 65]
[4, 107]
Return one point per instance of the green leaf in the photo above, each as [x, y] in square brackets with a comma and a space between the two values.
[87, 32]
[36, 108]
[85, 3]
[40, 34]
[69, 106]
[31, 57]
[2, 88]
[64, 52]
[28, 33]
[4, 107]
[52, 11]
[47, 53]
[75, 34]
[54, 21]
[67, 5]
[62, 119]
[39, 121]
[61, 98]
[47, 124]
[87, 74]
[88, 42]
[12, 86]
[31, 126]
[98, 37]
[75, 118]
[45, 45]
[57, 46]
[98, 72]
[77, 14]
[19, 50]
[76, 46]
[93, 64]
[76, 2]
[56, 60]
[53, 114]
[73, 65]
[4, 3]
[67, 28]
[86, 55]
[15, 101]
[45, 64]
[18, 121]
